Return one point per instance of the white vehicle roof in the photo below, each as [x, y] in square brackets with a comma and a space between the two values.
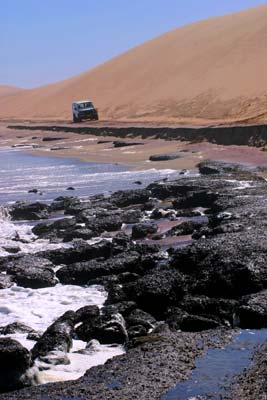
[82, 101]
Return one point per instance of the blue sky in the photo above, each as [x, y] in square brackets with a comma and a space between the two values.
[44, 41]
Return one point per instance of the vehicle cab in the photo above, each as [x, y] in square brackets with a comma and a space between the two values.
[84, 109]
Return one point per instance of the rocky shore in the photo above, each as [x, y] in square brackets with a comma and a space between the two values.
[167, 303]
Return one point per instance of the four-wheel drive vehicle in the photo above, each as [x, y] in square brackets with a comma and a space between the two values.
[84, 110]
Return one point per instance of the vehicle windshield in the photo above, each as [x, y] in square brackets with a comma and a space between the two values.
[88, 104]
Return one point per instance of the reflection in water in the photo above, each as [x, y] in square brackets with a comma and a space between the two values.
[216, 370]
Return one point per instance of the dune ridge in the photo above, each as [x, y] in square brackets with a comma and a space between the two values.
[7, 90]
[212, 70]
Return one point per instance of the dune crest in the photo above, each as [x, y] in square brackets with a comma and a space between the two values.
[6, 90]
[212, 70]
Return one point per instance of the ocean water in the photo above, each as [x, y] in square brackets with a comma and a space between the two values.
[38, 308]
[51, 176]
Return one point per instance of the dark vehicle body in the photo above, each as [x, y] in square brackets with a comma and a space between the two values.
[84, 110]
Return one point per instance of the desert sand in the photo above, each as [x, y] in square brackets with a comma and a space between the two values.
[6, 90]
[212, 70]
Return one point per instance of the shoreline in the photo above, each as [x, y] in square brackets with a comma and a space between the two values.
[86, 147]
[155, 360]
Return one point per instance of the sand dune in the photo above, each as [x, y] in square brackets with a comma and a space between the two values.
[6, 90]
[212, 70]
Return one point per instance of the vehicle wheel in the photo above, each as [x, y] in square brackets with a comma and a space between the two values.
[74, 118]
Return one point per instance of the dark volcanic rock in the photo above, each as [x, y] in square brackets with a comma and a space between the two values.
[140, 231]
[154, 292]
[107, 329]
[119, 143]
[28, 211]
[46, 227]
[15, 327]
[227, 266]
[12, 249]
[179, 319]
[6, 281]
[129, 197]
[253, 311]
[57, 337]
[252, 383]
[185, 228]
[31, 271]
[139, 317]
[147, 371]
[165, 157]
[14, 362]
[124, 308]
[223, 310]
[78, 233]
[51, 139]
[109, 224]
[82, 273]
[209, 167]
[63, 203]
[86, 313]
[201, 198]
[80, 251]
[131, 216]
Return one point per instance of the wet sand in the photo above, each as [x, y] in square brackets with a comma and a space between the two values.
[86, 147]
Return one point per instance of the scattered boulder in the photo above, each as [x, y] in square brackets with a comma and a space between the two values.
[178, 319]
[252, 312]
[78, 233]
[107, 329]
[165, 157]
[55, 357]
[51, 139]
[186, 228]
[139, 317]
[84, 272]
[226, 266]
[6, 281]
[15, 360]
[209, 167]
[31, 271]
[12, 249]
[155, 291]
[119, 143]
[140, 231]
[132, 216]
[130, 197]
[80, 251]
[57, 337]
[28, 211]
[15, 327]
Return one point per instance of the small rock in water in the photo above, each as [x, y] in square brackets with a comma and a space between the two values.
[140, 231]
[15, 327]
[165, 157]
[57, 337]
[138, 183]
[5, 281]
[14, 362]
[70, 188]
[33, 191]
[12, 249]
[56, 357]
